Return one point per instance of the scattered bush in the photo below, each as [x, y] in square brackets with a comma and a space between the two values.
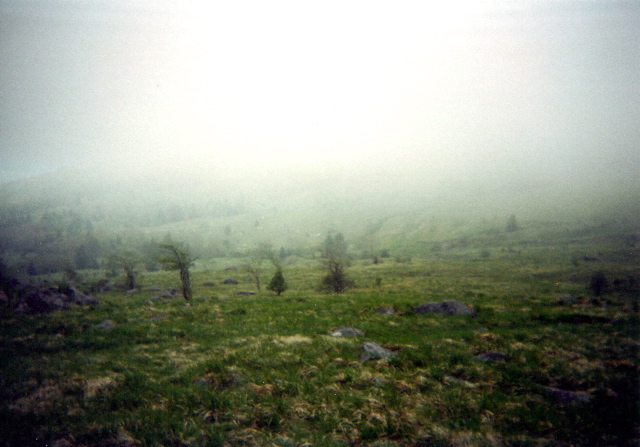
[599, 284]
[512, 224]
[334, 254]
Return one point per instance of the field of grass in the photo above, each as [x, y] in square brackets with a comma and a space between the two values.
[256, 370]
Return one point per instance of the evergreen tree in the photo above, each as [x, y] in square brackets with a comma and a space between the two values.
[278, 284]
[512, 224]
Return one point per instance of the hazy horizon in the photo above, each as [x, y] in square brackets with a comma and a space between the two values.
[542, 91]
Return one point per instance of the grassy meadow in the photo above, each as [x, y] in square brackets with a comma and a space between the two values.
[253, 370]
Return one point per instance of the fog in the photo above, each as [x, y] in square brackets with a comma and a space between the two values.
[541, 90]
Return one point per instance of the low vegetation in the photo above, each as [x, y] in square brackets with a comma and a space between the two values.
[551, 357]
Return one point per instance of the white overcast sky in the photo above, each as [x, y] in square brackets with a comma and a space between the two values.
[524, 88]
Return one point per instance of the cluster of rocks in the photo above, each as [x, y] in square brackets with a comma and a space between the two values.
[370, 350]
[373, 350]
[451, 307]
[168, 294]
[31, 300]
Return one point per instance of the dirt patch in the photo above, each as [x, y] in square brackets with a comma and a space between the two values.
[93, 387]
[292, 340]
[40, 401]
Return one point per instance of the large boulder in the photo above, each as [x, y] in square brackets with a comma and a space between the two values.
[450, 307]
[42, 301]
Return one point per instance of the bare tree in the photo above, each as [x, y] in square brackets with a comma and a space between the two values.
[334, 254]
[254, 266]
[177, 256]
[128, 261]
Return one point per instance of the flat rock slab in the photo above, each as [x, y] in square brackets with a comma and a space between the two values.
[451, 307]
[347, 331]
[245, 292]
[374, 351]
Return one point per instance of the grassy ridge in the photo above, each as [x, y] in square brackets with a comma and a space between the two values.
[263, 370]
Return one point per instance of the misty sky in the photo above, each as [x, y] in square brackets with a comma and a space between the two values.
[537, 89]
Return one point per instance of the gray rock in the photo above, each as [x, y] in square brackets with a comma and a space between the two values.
[569, 398]
[386, 310]
[208, 284]
[451, 307]
[567, 300]
[374, 350]
[42, 301]
[106, 326]
[82, 299]
[245, 292]
[230, 281]
[171, 293]
[347, 332]
[489, 357]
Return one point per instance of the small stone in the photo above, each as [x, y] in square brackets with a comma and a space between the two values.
[567, 300]
[106, 326]
[347, 332]
[374, 350]
[386, 310]
[569, 398]
[489, 357]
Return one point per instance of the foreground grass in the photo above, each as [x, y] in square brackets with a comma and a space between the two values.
[263, 370]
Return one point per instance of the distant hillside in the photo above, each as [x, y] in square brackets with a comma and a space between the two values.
[75, 218]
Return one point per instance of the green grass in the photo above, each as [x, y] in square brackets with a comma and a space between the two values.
[263, 370]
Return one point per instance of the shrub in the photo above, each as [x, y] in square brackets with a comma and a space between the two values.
[512, 224]
[278, 284]
[599, 284]
[334, 253]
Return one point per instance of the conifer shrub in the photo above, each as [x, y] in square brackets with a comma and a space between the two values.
[278, 284]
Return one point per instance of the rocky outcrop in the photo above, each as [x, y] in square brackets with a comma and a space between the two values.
[51, 299]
